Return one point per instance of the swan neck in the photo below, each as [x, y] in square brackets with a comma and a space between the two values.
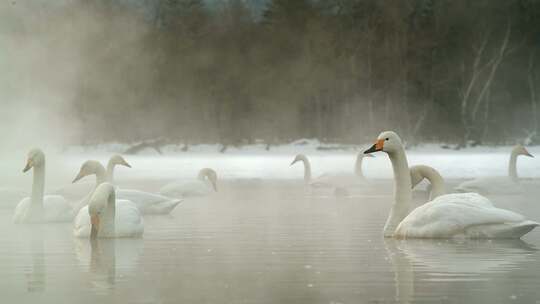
[307, 170]
[358, 166]
[38, 185]
[436, 181]
[402, 192]
[108, 227]
[512, 167]
[101, 175]
[110, 172]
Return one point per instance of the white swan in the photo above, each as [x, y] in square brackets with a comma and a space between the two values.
[40, 208]
[436, 181]
[340, 183]
[498, 185]
[148, 203]
[75, 191]
[205, 184]
[107, 217]
[467, 215]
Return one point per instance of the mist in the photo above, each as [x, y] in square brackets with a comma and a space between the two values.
[233, 72]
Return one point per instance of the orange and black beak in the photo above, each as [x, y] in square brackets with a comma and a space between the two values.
[378, 146]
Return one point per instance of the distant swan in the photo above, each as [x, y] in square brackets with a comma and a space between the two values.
[338, 182]
[107, 217]
[148, 203]
[40, 208]
[205, 184]
[498, 185]
[467, 215]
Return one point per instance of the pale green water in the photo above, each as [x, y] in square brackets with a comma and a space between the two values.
[267, 242]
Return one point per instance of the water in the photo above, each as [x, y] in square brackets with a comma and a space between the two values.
[266, 241]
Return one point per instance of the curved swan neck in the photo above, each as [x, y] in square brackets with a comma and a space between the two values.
[110, 171]
[512, 166]
[101, 175]
[38, 185]
[435, 179]
[358, 165]
[402, 192]
[307, 169]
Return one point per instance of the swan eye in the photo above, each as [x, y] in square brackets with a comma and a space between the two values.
[387, 138]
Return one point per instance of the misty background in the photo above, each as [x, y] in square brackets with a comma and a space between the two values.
[233, 72]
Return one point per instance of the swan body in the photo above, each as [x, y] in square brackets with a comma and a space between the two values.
[147, 203]
[205, 184]
[467, 215]
[40, 208]
[338, 182]
[107, 217]
[498, 185]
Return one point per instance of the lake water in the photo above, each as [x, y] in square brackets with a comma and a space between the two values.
[266, 241]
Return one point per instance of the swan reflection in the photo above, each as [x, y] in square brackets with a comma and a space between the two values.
[457, 260]
[107, 260]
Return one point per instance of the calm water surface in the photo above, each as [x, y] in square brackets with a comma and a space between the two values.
[267, 242]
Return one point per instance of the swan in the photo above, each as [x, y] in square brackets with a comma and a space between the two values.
[148, 203]
[75, 191]
[107, 217]
[498, 185]
[436, 181]
[339, 182]
[466, 215]
[205, 184]
[40, 208]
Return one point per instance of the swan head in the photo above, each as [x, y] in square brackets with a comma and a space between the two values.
[89, 167]
[36, 158]
[297, 158]
[119, 160]
[521, 150]
[387, 141]
[211, 175]
[98, 204]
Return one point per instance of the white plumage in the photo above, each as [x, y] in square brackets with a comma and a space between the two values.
[467, 215]
[117, 218]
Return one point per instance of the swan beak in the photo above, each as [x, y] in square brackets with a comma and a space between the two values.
[29, 165]
[126, 164]
[378, 146]
[94, 220]
[78, 177]
[528, 154]
[293, 162]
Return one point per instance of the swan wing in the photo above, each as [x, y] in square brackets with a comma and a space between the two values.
[148, 203]
[466, 215]
[55, 209]
[179, 189]
[128, 221]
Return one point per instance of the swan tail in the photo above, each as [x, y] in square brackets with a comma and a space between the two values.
[502, 231]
